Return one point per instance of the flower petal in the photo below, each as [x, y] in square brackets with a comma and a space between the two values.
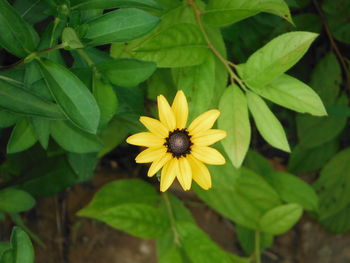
[180, 108]
[200, 173]
[185, 173]
[150, 154]
[208, 137]
[207, 155]
[166, 114]
[203, 122]
[158, 164]
[146, 139]
[154, 126]
[169, 172]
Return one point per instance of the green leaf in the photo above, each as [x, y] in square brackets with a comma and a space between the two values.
[16, 35]
[7, 119]
[72, 95]
[162, 82]
[73, 139]
[246, 238]
[198, 83]
[108, 4]
[83, 165]
[235, 120]
[22, 248]
[225, 12]
[22, 137]
[293, 94]
[179, 45]
[291, 189]
[19, 100]
[106, 99]
[41, 129]
[242, 197]
[128, 205]
[3, 247]
[276, 57]
[333, 185]
[339, 222]
[15, 200]
[326, 78]
[119, 26]
[70, 37]
[256, 162]
[281, 218]
[307, 160]
[127, 72]
[268, 125]
[331, 127]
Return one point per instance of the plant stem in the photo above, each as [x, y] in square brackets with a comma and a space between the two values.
[257, 247]
[225, 62]
[86, 57]
[172, 218]
[334, 44]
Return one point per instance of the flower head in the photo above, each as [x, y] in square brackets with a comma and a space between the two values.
[179, 151]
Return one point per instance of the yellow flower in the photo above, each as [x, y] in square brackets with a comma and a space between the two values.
[180, 151]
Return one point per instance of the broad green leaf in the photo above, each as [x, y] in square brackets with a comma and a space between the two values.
[19, 100]
[331, 127]
[119, 26]
[333, 185]
[225, 12]
[276, 57]
[128, 205]
[83, 165]
[32, 12]
[235, 120]
[108, 4]
[268, 125]
[309, 160]
[339, 222]
[162, 82]
[72, 95]
[22, 137]
[293, 94]
[280, 219]
[179, 45]
[15, 200]
[198, 83]
[22, 248]
[7, 118]
[71, 39]
[291, 189]
[73, 139]
[41, 129]
[3, 247]
[16, 35]
[240, 196]
[246, 238]
[106, 99]
[256, 162]
[326, 78]
[127, 72]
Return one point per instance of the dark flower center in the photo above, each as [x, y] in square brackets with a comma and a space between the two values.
[178, 143]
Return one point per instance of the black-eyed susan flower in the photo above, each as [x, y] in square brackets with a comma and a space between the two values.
[179, 151]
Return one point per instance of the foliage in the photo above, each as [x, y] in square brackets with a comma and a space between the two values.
[84, 71]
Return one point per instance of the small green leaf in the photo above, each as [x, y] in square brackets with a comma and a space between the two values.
[83, 165]
[225, 12]
[72, 95]
[73, 139]
[293, 94]
[108, 4]
[16, 35]
[119, 26]
[15, 200]
[106, 99]
[19, 100]
[7, 119]
[280, 219]
[179, 45]
[235, 120]
[127, 72]
[41, 129]
[70, 37]
[339, 222]
[22, 137]
[256, 162]
[22, 248]
[268, 125]
[276, 57]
